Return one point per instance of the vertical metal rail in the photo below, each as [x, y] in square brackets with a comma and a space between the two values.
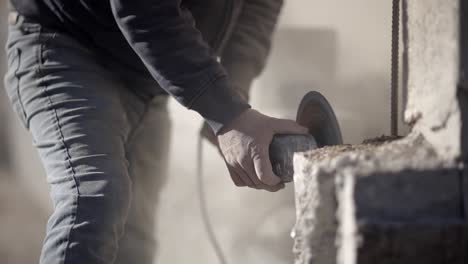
[405, 55]
[395, 67]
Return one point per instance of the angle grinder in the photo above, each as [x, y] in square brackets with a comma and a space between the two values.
[316, 114]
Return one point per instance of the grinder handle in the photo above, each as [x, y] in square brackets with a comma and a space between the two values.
[282, 149]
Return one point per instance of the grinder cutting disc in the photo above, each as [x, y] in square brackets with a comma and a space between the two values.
[316, 114]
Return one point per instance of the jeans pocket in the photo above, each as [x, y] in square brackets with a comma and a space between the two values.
[12, 84]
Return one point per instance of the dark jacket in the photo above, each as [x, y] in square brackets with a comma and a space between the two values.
[162, 39]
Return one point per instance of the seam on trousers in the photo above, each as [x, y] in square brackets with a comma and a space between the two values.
[62, 139]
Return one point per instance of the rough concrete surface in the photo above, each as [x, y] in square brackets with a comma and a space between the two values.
[315, 229]
[345, 193]
[433, 73]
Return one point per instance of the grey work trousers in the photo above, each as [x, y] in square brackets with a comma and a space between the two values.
[104, 148]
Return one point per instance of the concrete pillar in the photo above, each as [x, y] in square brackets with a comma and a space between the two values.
[433, 61]
[397, 201]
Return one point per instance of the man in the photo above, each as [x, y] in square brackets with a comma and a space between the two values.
[89, 80]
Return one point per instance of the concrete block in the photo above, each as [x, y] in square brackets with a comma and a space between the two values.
[391, 193]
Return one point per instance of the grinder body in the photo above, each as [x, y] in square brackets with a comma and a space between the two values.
[316, 114]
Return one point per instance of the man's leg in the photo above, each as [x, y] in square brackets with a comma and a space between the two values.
[147, 152]
[73, 109]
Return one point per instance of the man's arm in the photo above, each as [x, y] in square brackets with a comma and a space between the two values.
[175, 54]
[247, 49]
[248, 46]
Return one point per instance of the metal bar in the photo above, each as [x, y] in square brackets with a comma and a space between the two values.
[405, 58]
[395, 67]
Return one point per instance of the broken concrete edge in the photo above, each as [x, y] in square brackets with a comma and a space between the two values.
[347, 246]
[411, 152]
[326, 229]
[315, 228]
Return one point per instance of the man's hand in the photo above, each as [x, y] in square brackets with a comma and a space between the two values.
[245, 143]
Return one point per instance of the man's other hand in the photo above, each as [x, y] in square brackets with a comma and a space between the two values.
[245, 143]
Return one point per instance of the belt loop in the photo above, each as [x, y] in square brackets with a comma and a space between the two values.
[13, 18]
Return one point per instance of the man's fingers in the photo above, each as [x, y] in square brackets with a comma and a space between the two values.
[249, 167]
[263, 168]
[235, 177]
[250, 172]
[285, 126]
[275, 188]
[244, 143]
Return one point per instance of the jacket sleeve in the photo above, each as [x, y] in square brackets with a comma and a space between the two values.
[164, 37]
[247, 49]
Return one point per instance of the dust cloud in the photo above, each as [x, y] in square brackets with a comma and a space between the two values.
[340, 48]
